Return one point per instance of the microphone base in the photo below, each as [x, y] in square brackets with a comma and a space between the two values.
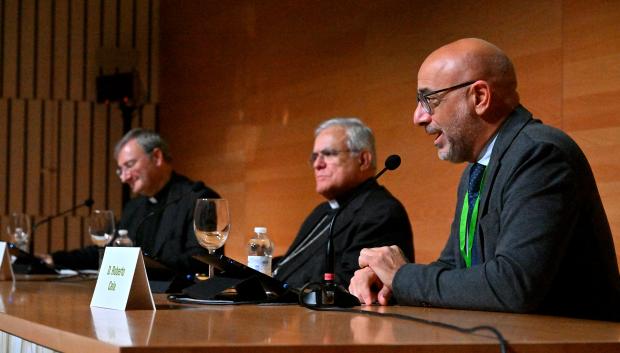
[327, 295]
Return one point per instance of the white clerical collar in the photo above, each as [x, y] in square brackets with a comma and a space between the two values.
[485, 155]
[152, 200]
[333, 204]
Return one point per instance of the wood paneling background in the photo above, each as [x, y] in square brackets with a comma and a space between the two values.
[56, 141]
[237, 87]
[244, 83]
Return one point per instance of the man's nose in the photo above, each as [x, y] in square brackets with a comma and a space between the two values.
[319, 162]
[420, 116]
[124, 176]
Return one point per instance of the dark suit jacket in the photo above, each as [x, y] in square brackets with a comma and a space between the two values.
[542, 237]
[369, 217]
[173, 242]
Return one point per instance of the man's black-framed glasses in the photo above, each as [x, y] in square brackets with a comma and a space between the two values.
[423, 97]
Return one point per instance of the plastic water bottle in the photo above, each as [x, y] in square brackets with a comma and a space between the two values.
[123, 239]
[260, 250]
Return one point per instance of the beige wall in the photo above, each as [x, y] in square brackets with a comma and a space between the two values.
[244, 83]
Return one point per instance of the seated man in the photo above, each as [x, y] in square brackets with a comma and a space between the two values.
[530, 233]
[344, 164]
[160, 218]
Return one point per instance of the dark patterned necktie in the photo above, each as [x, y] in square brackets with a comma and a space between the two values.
[473, 188]
[475, 177]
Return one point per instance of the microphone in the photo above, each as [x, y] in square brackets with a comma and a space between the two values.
[330, 260]
[88, 203]
[391, 163]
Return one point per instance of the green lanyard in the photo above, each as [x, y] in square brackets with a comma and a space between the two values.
[466, 236]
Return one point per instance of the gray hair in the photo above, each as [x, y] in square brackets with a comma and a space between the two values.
[147, 139]
[359, 136]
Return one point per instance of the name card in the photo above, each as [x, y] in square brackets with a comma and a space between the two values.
[6, 270]
[122, 283]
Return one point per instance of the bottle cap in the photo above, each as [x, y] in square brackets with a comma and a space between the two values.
[262, 230]
[122, 232]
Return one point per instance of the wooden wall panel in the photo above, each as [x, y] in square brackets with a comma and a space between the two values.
[125, 30]
[57, 237]
[94, 40]
[27, 49]
[83, 161]
[114, 192]
[76, 51]
[10, 50]
[147, 117]
[50, 157]
[100, 156]
[56, 139]
[74, 226]
[109, 36]
[17, 157]
[41, 237]
[153, 53]
[34, 131]
[254, 78]
[43, 38]
[143, 48]
[4, 156]
[66, 156]
[60, 51]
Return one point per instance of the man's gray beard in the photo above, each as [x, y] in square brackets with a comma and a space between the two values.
[458, 150]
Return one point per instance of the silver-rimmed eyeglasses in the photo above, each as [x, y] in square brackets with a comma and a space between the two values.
[329, 155]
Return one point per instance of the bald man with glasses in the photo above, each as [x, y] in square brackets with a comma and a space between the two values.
[344, 165]
[159, 219]
[529, 234]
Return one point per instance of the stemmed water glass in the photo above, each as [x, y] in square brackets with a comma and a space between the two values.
[101, 228]
[18, 229]
[211, 224]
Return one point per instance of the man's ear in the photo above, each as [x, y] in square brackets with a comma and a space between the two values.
[157, 156]
[365, 160]
[482, 96]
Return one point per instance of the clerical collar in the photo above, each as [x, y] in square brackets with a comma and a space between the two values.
[485, 156]
[344, 199]
[162, 194]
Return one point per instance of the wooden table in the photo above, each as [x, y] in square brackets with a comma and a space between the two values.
[56, 314]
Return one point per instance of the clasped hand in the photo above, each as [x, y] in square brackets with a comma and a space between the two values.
[373, 281]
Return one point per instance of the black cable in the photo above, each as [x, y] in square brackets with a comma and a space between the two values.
[502, 341]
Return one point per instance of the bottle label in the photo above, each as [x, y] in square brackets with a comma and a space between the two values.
[260, 263]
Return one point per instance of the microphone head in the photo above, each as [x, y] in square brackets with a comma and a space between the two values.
[89, 202]
[392, 162]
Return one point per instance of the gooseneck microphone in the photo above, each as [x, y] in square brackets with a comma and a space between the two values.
[88, 203]
[391, 163]
[330, 260]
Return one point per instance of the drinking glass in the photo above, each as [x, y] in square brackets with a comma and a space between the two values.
[101, 229]
[211, 224]
[18, 229]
